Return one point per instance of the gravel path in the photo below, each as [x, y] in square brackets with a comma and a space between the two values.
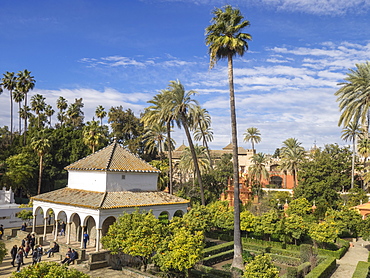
[347, 264]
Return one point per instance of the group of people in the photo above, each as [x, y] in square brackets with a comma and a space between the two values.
[19, 253]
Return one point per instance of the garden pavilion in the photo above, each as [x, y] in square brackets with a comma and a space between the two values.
[101, 187]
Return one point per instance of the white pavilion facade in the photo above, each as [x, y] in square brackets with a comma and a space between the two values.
[101, 187]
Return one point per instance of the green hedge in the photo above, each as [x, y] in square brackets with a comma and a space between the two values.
[285, 260]
[218, 249]
[203, 271]
[220, 257]
[273, 244]
[285, 252]
[362, 270]
[336, 254]
[324, 269]
[304, 268]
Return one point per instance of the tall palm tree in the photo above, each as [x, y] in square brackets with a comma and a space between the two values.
[61, 105]
[180, 103]
[187, 162]
[9, 82]
[292, 154]
[38, 105]
[253, 135]
[155, 138]
[75, 113]
[92, 135]
[18, 97]
[201, 126]
[100, 113]
[25, 83]
[49, 112]
[41, 146]
[159, 113]
[354, 96]
[351, 132]
[225, 40]
[257, 171]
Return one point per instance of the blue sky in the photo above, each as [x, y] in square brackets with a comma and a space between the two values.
[123, 52]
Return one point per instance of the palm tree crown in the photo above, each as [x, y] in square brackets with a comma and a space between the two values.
[292, 154]
[253, 135]
[354, 96]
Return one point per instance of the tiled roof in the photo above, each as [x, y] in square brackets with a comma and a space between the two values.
[112, 158]
[108, 200]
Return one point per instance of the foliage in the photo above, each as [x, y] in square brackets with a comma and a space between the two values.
[3, 251]
[323, 232]
[261, 267]
[348, 220]
[25, 214]
[222, 216]
[180, 251]
[300, 207]
[324, 269]
[362, 270]
[247, 221]
[268, 223]
[295, 227]
[49, 270]
[137, 234]
[325, 173]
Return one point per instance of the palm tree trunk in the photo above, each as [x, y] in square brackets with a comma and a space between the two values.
[40, 175]
[194, 156]
[353, 163]
[25, 119]
[169, 154]
[238, 259]
[19, 118]
[206, 145]
[11, 116]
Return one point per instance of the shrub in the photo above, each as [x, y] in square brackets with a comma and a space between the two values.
[218, 249]
[303, 269]
[362, 270]
[324, 269]
[49, 270]
[209, 272]
[292, 272]
[216, 258]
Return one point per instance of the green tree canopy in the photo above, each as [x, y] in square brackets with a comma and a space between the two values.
[261, 267]
[49, 270]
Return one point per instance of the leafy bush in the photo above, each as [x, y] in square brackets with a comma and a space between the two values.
[49, 270]
[303, 269]
[329, 253]
[218, 249]
[324, 269]
[362, 270]
[292, 272]
[214, 259]
[209, 272]
[286, 260]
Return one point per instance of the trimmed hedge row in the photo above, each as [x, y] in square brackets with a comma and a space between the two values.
[336, 254]
[203, 271]
[362, 270]
[220, 257]
[218, 249]
[273, 244]
[284, 252]
[304, 268]
[324, 269]
[291, 261]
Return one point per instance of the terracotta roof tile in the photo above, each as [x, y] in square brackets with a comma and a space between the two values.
[108, 200]
[112, 158]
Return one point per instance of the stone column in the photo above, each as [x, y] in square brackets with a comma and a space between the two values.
[56, 230]
[34, 223]
[82, 236]
[69, 226]
[98, 233]
[45, 224]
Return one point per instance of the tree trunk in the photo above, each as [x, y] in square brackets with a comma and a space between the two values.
[206, 146]
[238, 259]
[353, 162]
[40, 175]
[169, 154]
[11, 116]
[25, 119]
[19, 118]
[194, 156]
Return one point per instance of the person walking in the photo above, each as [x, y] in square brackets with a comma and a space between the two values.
[32, 242]
[35, 256]
[19, 260]
[13, 253]
[40, 252]
[85, 239]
